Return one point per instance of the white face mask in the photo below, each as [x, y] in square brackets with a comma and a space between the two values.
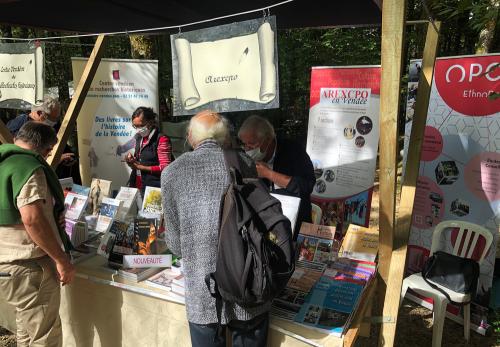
[144, 131]
[256, 154]
[49, 122]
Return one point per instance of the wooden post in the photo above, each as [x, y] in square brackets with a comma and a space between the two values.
[392, 296]
[75, 106]
[393, 26]
[5, 136]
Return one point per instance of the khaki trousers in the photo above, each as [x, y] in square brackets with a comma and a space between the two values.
[34, 290]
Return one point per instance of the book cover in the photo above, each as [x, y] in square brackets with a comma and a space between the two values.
[152, 201]
[305, 275]
[359, 243]
[107, 212]
[287, 304]
[106, 244]
[79, 189]
[129, 198]
[124, 241]
[163, 280]
[66, 184]
[99, 189]
[329, 305]
[75, 205]
[145, 236]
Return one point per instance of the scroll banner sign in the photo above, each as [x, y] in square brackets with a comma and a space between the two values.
[105, 132]
[459, 176]
[226, 68]
[21, 74]
[342, 141]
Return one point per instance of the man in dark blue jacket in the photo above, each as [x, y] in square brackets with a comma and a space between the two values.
[283, 164]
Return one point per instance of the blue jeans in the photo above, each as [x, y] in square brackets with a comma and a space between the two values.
[243, 333]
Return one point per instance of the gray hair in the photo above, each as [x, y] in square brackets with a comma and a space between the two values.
[208, 125]
[38, 135]
[259, 126]
[47, 106]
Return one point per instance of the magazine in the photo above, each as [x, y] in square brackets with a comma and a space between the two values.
[360, 243]
[152, 201]
[129, 206]
[107, 212]
[316, 243]
[99, 189]
[145, 236]
[75, 205]
[329, 305]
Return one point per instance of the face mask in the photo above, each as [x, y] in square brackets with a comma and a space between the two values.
[49, 122]
[144, 131]
[256, 154]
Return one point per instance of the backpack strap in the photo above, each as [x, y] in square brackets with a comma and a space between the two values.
[233, 165]
[218, 303]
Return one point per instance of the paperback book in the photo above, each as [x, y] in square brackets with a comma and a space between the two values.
[128, 196]
[77, 231]
[107, 213]
[359, 243]
[151, 203]
[163, 280]
[75, 205]
[79, 189]
[145, 236]
[138, 274]
[106, 244]
[329, 306]
[124, 242]
[99, 189]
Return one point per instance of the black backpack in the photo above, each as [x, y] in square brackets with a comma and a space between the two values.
[255, 256]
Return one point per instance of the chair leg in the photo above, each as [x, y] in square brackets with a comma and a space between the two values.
[404, 289]
[467, 322]
[439, 316]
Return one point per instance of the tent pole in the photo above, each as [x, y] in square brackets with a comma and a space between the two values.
[393, 26]
[396, 272]
[76, 103]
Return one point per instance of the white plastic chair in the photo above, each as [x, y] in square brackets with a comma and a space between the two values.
[316, 214]
[417, 283]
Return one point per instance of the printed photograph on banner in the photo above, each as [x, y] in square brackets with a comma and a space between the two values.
[342, 141]
[227, 68]
[105, 132]
[459, 175]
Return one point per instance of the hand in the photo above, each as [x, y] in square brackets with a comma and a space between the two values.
[133, 164]
[263, 170]
[129, 158]
[65, 271]
[68, 159]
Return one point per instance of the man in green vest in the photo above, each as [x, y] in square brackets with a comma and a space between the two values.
[33, 244]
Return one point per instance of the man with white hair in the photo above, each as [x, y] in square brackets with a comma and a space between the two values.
[192, 189]
[47, 112]
[283, 164]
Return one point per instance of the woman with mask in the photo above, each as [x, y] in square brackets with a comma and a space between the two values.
[153, 151]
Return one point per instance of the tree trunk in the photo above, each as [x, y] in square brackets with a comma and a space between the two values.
[486, 35]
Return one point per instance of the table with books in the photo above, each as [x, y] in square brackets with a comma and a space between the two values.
[109, 304]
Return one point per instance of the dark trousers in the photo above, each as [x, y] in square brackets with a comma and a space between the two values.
[243, 333]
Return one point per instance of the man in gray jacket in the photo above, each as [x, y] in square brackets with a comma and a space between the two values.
[192, 189]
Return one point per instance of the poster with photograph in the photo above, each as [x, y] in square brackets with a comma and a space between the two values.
[459, 176]
[232, 67]
[105, 132]
[342, 141]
